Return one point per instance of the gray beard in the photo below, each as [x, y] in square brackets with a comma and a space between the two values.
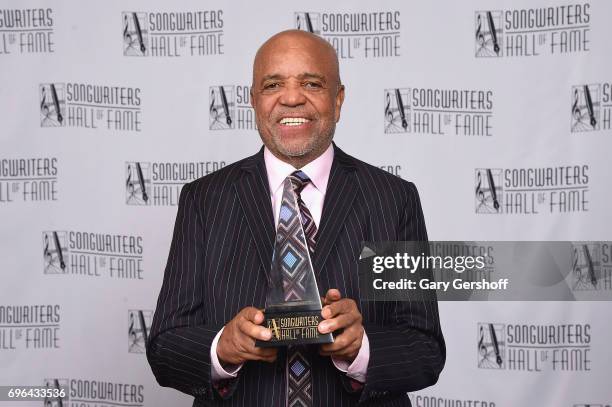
[308, 148]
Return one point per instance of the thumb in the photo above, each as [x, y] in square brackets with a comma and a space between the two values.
[253, 315]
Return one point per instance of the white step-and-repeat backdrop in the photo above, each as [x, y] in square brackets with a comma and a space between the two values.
[499, 111]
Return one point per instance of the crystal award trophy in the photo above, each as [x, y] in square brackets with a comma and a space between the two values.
[293, 305]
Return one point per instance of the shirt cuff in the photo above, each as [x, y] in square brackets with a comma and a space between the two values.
[358, 369]
[219, 372]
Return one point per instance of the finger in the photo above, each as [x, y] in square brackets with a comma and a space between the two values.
[263, 353]
[343, 344]
[331, 296]
[269, 357]
[253, 315]
[252, 352]
[254, 331]
[346, 343]
[348, 353]
[340, 322]
[342, 306]
[245, 345]
[341, 340]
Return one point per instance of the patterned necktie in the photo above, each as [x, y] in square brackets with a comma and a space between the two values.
[299, 380]
[299, 180]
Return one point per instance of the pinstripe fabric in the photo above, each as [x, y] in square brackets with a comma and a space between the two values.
[298, 372]
[219, 263]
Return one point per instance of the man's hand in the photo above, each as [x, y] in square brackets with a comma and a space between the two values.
[237, 342]
[341, 314]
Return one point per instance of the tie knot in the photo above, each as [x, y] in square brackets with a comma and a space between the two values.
[299, 180]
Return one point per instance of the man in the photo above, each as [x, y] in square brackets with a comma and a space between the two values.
[209, 312]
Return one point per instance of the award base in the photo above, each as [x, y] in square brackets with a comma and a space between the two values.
[293, 327]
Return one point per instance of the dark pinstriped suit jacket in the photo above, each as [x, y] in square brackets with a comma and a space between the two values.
[219, 263]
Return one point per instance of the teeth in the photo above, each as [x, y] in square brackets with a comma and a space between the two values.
[293, 121]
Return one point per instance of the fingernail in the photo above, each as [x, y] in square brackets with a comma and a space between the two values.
[325, 312]
[323, 327]
[266, 334]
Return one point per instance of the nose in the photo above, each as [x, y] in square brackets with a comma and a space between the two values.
[292, 95]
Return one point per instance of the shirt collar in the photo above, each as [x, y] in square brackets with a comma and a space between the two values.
[317, 170]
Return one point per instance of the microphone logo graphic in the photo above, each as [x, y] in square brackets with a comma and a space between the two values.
[221, 107]
[56, 385]
[138, 183]
[55, 252]
[488, 33]
[491, 346]
[589, 271]
[52, 105]
[307, 21]
[488, 191]
[139, 326]
[586, 106]
[397, 110]
[135, 34]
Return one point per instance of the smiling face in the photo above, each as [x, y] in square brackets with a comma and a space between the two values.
[297, 95]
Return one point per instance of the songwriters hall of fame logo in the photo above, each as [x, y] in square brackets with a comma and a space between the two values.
[93, 393]
[90, 254]
[138, 183]
[397, 110]
[55, 252]
[160, 183]
[310, 22]
[489, 191]
[139, 326]
[172, 34]
[27, 30]
[491, 346]
[89, 106]
[437, 111]
[371, 34]
[532, 191]
[57, 385]
[29, 179]
[535, 348]
[135, 34]
[489, 33]
[532, 32]
[591, 266]
[586, 108]
[52, 105]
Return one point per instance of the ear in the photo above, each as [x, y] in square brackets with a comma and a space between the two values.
[339, 101]
[252, 98]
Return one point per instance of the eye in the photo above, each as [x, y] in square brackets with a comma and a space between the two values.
[271, 85]
[312, 85]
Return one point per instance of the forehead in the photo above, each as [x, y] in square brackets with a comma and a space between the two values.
[293, 56]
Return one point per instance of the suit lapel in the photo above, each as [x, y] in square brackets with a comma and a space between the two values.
[341, 191]
[254, 196]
